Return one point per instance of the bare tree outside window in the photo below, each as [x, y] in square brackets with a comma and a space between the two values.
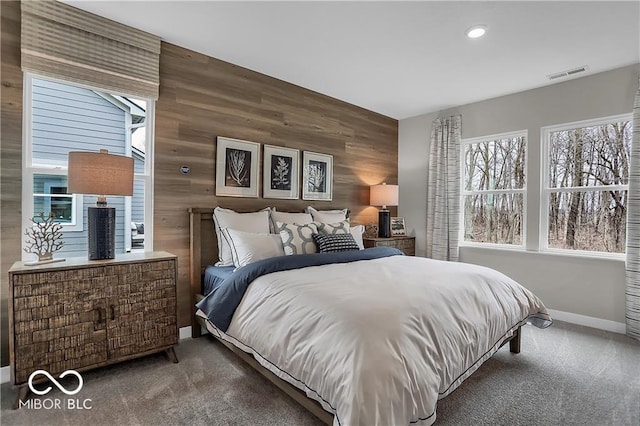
[494, 189]
[588, 177]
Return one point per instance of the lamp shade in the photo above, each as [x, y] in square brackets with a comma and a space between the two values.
[100, 173]
[384, 195]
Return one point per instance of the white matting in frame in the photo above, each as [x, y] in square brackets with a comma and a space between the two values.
[237, 168]
[280, 172]
[317, 176]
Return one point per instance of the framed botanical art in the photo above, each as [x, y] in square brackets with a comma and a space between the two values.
[317, 176]
[397, 226]
[280, 175]
[237, 168]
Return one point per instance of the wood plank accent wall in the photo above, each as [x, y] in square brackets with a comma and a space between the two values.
[11, 154]
[202, 97]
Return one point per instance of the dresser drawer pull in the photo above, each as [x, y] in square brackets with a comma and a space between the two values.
[101, 319]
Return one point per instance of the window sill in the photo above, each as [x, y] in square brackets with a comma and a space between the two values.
[615, 257]
[620, 257]
[506, 247]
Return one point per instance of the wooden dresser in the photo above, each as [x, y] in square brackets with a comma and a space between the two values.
[80, 314]
[403, 243]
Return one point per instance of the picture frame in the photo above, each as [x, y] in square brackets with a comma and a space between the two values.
[280, 172]
[237, 167]
[317, 176]
[397, 226]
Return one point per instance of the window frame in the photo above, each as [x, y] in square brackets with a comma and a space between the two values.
[463, 192]
[29, 168]
[546, 191]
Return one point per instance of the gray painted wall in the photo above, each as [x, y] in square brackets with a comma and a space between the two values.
[579, 285]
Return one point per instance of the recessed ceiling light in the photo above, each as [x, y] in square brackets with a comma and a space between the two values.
[476, 31]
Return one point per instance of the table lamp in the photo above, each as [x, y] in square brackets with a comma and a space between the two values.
[384, 195]
[101, 174]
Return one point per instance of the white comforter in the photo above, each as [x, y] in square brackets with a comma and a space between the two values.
[378, 342]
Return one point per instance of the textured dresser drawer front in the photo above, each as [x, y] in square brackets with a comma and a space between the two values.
[54, 321]
[85, 315]
[145, 311]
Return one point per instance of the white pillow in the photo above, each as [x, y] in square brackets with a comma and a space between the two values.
[284, 217]
[297, 239]
[247, 222]
[357, 232]
[247, 247]
[328, 216]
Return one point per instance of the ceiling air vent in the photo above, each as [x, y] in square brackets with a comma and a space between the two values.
[568, 72]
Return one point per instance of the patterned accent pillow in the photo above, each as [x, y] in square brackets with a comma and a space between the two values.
[335, 243]
[333, 228]
[297, 239]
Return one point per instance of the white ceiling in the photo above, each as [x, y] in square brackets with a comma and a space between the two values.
[400, 59]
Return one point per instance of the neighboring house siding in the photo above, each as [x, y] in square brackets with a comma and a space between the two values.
[67, 119]
[137, 201]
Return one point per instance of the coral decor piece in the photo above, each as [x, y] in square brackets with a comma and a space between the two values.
[44, 237]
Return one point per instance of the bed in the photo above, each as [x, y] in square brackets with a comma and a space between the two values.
[369, 337]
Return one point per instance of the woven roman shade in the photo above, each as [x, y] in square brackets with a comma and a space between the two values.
[67, 43]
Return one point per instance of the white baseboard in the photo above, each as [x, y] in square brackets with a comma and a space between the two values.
[185, 332]
[5, 374]
[599, 323]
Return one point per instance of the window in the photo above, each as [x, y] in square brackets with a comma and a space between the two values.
[585, 185]
[50, 196]
[62, 117]
[494, 189]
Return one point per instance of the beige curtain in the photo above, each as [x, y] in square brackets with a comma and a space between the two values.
[632, 313]
[67, 43]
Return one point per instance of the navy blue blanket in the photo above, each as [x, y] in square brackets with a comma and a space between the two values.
[221, 303]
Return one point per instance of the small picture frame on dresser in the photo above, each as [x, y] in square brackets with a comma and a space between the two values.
[397, 226]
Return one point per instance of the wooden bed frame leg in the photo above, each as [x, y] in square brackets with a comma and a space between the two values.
[514, 343]
[195, 329]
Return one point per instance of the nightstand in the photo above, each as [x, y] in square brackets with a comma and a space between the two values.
[403, 243]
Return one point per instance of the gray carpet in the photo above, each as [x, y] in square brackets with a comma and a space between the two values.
[565, 375]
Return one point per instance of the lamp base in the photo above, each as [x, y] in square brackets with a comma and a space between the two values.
[384, 224]
[102, 232]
